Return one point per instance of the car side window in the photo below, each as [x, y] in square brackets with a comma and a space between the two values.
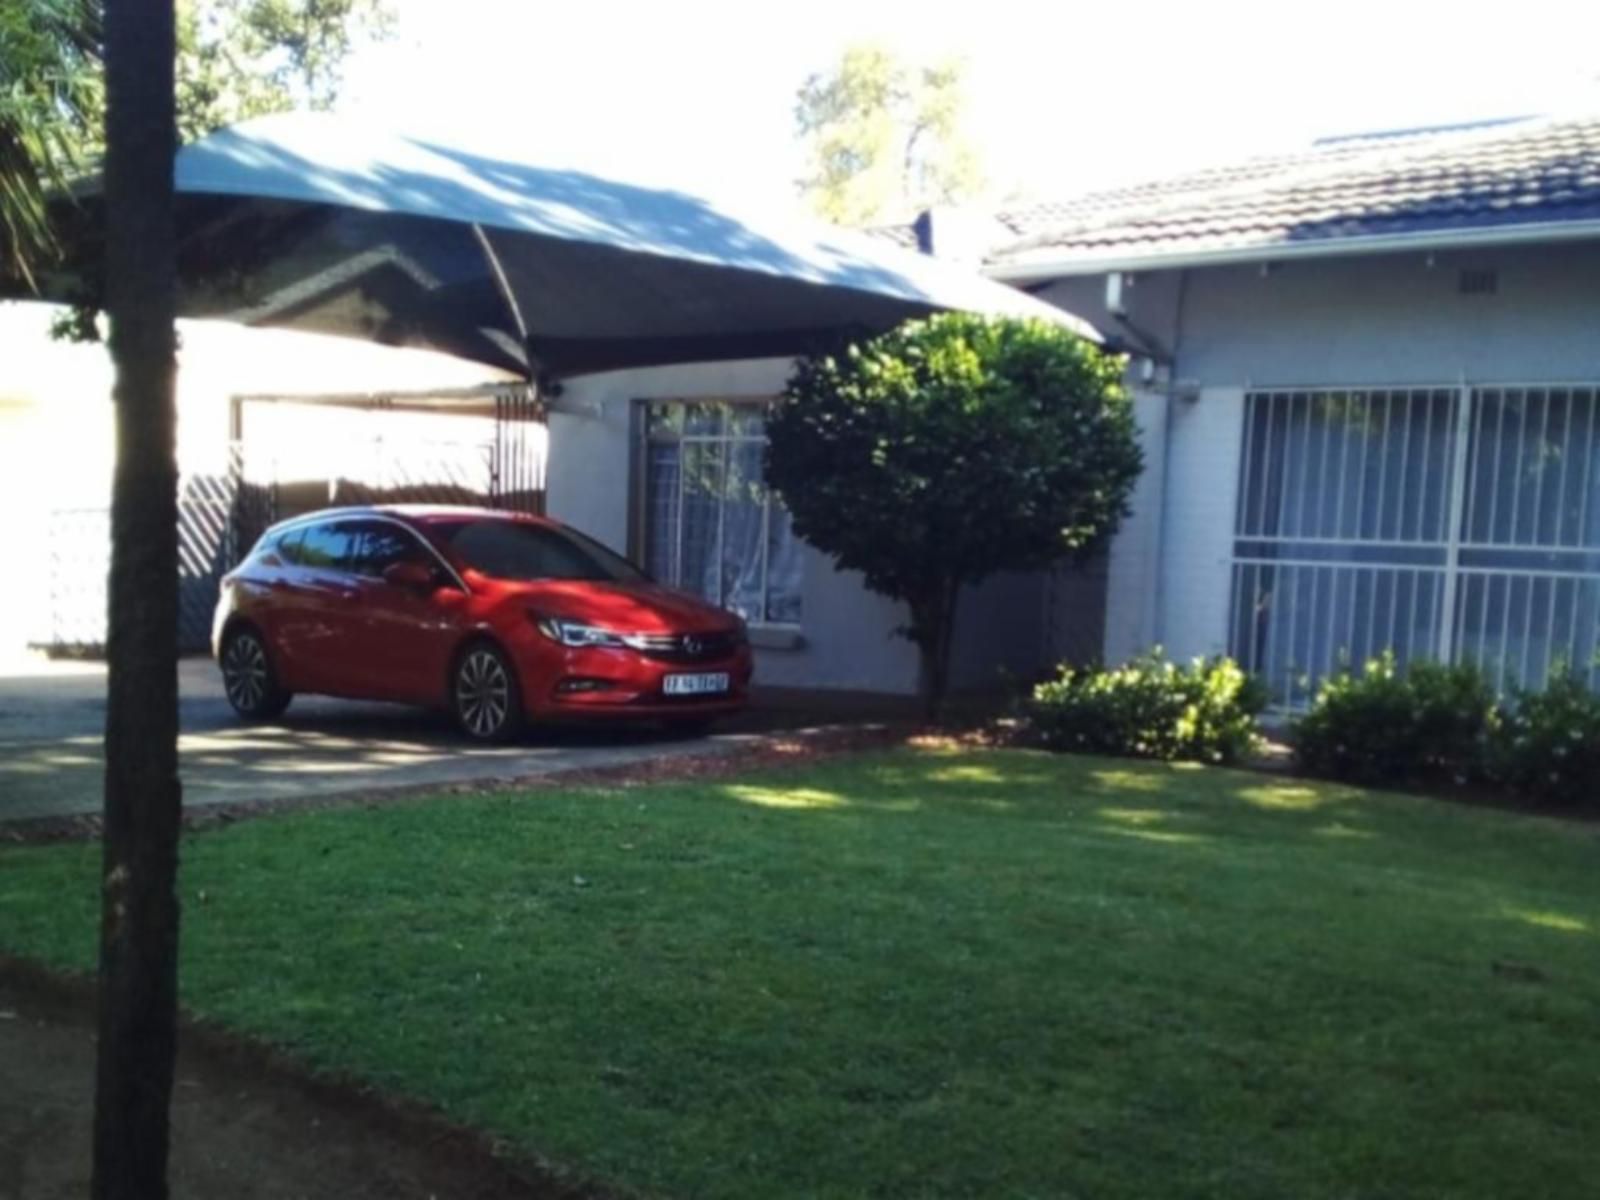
[378, 545]
[287, 546]
[326, 546]
[516, 550]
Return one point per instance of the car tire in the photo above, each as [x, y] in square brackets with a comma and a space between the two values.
[249, 679]
[484, 696]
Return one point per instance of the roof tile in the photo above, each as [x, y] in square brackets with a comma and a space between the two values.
[1524, 170]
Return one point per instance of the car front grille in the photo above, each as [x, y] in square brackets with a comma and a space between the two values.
[685, 647]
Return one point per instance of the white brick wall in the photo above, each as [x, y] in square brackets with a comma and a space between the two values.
[1203, 451]
[849, 638]
[1131, 585]
[1168, 585]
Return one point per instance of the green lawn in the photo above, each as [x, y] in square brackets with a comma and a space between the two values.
[926, 974]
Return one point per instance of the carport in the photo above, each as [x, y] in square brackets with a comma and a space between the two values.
[313, 223]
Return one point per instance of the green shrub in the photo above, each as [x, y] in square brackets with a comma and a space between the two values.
[950, 449]
[1548, 745]
[1429, 723]
[1151, 708]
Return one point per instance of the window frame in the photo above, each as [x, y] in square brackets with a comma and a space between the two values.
[1465, 559]
[640, 441]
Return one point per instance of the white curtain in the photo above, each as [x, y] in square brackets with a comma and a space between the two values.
[711, 526]
[1344, 525]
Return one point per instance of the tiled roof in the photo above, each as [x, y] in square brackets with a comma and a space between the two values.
[1521, 171]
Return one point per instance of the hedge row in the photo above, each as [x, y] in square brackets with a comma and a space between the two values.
[1429, 723]
[1426, 724]
[1152, 708]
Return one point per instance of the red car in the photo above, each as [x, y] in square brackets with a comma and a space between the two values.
[500, 617]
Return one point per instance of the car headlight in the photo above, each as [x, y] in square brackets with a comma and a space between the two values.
[575, 633]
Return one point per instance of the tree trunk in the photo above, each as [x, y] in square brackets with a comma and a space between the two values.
[139, 908]
[934, 622]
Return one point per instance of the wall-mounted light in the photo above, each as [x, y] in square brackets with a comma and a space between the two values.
[1117, 284]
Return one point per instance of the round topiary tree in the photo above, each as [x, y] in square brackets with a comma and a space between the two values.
[949, 449]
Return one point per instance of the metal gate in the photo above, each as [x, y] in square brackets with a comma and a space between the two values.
[80, 563]
[480, 446]
[1456, 523]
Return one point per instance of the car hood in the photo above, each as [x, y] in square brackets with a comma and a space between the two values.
[623, 607]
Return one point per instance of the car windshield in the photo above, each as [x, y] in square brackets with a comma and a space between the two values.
[520, 551]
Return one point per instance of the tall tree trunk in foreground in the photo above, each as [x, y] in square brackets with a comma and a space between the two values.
[139, 914]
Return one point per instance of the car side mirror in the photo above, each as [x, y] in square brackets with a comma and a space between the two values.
[415, 575]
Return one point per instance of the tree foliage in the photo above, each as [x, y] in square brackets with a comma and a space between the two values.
[885, 138]
[51, 92]
[236, 59]
[949, 449]
[244, 58]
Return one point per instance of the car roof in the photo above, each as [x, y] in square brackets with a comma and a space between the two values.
[414, 514]
[429, 514]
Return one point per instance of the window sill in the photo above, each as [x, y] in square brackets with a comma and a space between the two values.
[776, 637]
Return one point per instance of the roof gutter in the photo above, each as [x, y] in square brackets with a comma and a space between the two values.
[1332, 247]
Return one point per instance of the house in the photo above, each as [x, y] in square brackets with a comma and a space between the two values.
[1368, 381]
[1367, 377]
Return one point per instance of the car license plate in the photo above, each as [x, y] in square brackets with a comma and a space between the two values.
[695, 685]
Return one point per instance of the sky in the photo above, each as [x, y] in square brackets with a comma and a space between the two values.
[1065, 96]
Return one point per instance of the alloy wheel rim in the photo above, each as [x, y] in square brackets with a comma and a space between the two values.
[483, 693]
[244, 673]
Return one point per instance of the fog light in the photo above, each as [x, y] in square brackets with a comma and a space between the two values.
[579, 683]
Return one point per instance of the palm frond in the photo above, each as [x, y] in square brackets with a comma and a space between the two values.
[50, 100]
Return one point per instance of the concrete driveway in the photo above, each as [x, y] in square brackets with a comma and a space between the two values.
[52, 715]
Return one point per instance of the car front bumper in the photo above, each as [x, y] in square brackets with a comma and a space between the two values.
[622, 684]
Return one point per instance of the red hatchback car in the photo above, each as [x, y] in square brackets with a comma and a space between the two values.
[500, 617]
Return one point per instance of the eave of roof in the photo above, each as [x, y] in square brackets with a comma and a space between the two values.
[1132, 258]
[1527, 180]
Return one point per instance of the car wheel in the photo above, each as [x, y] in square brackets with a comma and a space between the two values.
[484, 696]
[248, 679]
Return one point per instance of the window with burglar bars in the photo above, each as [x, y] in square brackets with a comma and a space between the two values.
[1457, 523]
[709, 524]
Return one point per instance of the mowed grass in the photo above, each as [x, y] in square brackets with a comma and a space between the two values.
[925, 974]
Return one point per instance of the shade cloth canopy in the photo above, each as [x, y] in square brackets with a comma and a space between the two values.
[320, 223]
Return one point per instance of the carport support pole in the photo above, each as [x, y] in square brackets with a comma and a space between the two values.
[139, 907]
[508, 297]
